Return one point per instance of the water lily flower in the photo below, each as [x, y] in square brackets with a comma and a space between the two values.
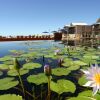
[47, 70]
[56, 52]
[93, 77]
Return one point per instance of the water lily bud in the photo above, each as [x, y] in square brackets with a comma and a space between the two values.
[16, 64]
[60, 61]
[47, 70]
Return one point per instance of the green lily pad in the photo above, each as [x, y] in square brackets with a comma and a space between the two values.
[89, 93]
[60, 71]
[81, 98]
[38, 79]
[9, 62]
[79, 63]
[16, 51]
[29, 54]
[75, 67]
[82, 80]
[91, 56]
[1, 73]
[86, 95]
[62, 86]
[13, 72]
[7, 83]
[4, 66]
[68, 63]
[10, 97]
[31, 65]
[5, 58]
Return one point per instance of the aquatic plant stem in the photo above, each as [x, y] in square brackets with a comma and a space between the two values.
[49, 92]
[21, 83]
[41, 92]
[58, 96]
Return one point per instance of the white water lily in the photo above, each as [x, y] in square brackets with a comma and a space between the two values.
[93, 77]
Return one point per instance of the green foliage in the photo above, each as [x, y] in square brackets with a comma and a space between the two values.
[80, 63]
[4, 66]
[62, 86]
[15, 73]
[37, 79]
[10, 97]
[74, 67]
[1, 73]
[7, 83]
[82, 80]
[60, 71]
[31, 65]
[86, 95]
[5, 58]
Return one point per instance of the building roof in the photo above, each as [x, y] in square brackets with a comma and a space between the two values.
[98, 20]
[74, 24]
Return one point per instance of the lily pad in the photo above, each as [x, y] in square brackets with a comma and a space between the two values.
[7, 83]
[14, 72]
[79, 63]
[10, 97]
[1, 73]
[91, 56]
[60, 71]
[31, 65]
[75, 67]
[89, 93]
[68, 63]
[9, 62]
[5, 58]
[30, 54]
[81, 98]
[38, 79]
[62, 86]
[82, 80]
[4, 66]
[86, 95]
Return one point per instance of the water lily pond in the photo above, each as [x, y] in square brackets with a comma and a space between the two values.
[29, 82]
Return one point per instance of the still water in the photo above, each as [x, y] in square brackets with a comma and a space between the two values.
[25, 45]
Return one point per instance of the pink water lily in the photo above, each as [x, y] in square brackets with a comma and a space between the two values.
[93, 77]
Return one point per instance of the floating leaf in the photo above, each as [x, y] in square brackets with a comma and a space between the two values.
[38, 79]
[82, 80]
[68, 63]
[5, 58]
[91, 56]
[17, 51]
[75, 67]
[79, 63]
[31, 65]
[62, 86]
[60, 71]
[86, 95]
[1, 73]
[10, 97]
[14, 72]
[10, 62]
[4, 66]
[29, 54]
[7, 83]
[81, 98]
[89, 93]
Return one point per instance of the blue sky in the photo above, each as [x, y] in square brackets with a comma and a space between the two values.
[28, 17]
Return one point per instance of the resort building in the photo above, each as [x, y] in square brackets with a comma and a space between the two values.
[81, 33]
